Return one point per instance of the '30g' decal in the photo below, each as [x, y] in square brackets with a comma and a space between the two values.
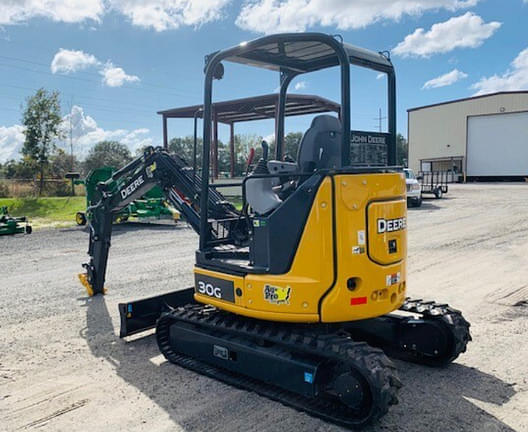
[214, 287]
[209, 289]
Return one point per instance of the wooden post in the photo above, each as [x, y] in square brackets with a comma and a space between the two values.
[165, 138]
[232, 148]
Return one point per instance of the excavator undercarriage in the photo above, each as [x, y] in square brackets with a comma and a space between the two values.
[339, 372]
[300, 295]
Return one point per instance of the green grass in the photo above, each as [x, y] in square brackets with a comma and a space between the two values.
[41, 212]
[57, 211]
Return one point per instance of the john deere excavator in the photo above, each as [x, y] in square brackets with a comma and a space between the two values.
[300, 295]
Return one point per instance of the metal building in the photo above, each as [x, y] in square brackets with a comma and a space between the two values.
[478, 137]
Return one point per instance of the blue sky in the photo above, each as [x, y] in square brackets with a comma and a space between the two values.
[116, 62]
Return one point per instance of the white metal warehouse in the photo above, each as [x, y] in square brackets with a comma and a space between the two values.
[476, 137]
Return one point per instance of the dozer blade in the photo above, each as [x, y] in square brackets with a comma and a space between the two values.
[141, 315]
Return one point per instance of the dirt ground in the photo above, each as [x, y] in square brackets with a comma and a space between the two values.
[63, 367]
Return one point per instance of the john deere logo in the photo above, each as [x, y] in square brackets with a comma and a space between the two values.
[391, 225]
[277, 295]
[132, 187]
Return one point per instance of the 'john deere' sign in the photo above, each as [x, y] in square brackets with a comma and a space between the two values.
[368, 148]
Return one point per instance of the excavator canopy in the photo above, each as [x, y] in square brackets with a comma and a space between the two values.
[302, 57]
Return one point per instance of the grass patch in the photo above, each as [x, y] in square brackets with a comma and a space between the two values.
[41, 212]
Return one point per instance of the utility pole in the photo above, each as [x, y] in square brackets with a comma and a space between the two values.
[379, 118]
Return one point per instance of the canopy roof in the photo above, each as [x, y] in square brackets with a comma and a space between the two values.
[257, 108]
[306, 56]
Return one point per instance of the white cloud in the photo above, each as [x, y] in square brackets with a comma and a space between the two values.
[116, 76]
[163, 15]
[445, 79]
[272, 16]
[515, 78]
[156, 14]
[11, 142]
[465, 31]
[70, 11]
[86, 133]
[300, 85]
[380, 76]
[67, 61]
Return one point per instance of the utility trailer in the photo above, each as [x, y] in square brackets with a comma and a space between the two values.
[433, 182]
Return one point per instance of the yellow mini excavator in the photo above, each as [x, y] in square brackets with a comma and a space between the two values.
[298, 295]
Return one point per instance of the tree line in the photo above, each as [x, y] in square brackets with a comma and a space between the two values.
[41, 158]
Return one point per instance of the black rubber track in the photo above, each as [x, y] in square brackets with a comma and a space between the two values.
[371, 363]
[452, 321]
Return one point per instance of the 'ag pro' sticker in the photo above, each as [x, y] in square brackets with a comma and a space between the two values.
[277, 295]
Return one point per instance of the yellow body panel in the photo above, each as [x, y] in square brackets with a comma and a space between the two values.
[369, 276]
[354, 194]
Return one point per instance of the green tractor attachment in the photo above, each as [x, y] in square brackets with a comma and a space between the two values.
[13, 225]
[152, 205]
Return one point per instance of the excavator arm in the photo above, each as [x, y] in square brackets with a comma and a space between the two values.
[181, 187]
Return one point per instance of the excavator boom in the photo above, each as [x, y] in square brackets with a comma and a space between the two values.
[181, 187]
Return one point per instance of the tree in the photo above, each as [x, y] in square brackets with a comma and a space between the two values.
[62, 163]
[42, 120]
[184, 148]
[107, 153]
[402, 150]
[291, 144]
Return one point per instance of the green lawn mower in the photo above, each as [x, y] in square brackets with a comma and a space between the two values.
[152, 205]
[13, 225]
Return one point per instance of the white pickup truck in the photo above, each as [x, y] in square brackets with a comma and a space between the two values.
[414, 190]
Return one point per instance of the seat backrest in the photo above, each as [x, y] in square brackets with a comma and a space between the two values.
[320, 146]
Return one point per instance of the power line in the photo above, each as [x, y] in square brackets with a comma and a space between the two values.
[8, 109]
[72, 95]
[76, 95]
[87, 73]
[77, 78]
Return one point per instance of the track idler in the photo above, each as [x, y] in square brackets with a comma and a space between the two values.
[432, 334]
[326, 374]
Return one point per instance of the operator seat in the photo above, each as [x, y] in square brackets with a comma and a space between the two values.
[320, 146]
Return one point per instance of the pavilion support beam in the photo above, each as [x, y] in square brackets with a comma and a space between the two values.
[165, 138]
[276, 121]
[232, 148]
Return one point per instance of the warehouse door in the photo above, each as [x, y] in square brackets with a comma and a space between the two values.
[497, 145]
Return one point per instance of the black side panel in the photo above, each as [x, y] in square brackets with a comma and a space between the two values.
[272, 364]
[276, 237]
[141, 315]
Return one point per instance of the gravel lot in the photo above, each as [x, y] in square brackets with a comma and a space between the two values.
[63, 368]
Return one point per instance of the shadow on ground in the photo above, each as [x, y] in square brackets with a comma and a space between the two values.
[426, 205]
[431, 399]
